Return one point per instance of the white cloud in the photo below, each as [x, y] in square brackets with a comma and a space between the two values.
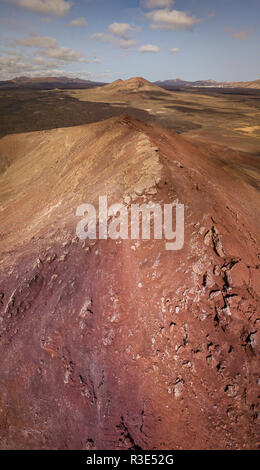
[41, 63]
[14, 65]
[39, 60]
[120, 29]
[118, 35]
[38, 41]
[79, 22]
[64, 54]
[149, 48]
[126, 43]
[9, 60]
[102, 37]
[174, 50]
[149, 4]
[46, 7]
[49, 47]
[171, 19]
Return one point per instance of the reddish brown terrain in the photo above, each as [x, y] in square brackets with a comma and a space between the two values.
[132, 85]
[122, 344]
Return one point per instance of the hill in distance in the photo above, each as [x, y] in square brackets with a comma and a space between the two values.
[132, 85]
[178, 82]
[48, 83]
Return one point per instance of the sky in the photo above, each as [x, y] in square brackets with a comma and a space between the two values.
[104, 40]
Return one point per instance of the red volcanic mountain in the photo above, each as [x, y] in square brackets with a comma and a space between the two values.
[121, 344]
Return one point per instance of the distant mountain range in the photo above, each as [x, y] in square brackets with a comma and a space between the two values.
[49, 83]
[66, 82]
[178, 82]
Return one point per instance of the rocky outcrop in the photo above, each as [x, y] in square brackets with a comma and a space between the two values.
[120, 344]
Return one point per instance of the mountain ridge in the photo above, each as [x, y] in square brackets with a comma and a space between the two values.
[48, 82]
[71, 331]
[64, 81]
[178, 82]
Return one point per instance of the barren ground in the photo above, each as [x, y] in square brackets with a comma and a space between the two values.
[120, 344]
[213, 116]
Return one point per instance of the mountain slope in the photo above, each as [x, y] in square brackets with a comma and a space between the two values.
[120, 344]
[48, 83]
[132, 85]
[255, 84]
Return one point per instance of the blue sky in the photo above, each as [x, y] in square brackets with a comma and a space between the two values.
[157, 39]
